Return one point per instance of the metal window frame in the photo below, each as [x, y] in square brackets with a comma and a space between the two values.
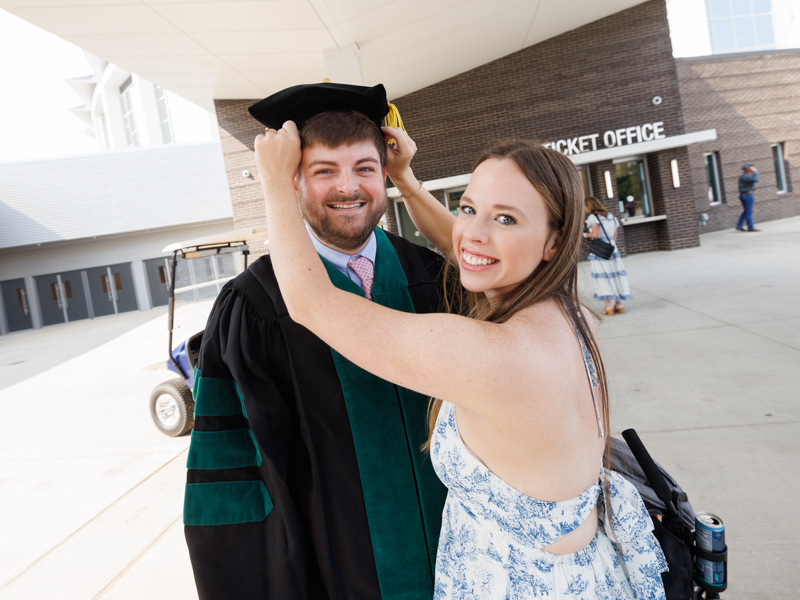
[780, 173]
[717, 177]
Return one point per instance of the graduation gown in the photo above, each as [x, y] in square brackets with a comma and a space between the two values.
[305, 476]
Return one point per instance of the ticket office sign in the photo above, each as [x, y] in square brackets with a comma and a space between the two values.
[610, 139]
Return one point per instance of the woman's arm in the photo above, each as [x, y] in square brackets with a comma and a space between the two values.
[447, 356]
[593, 232]
[431, 217]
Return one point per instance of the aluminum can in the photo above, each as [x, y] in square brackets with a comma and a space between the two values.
[710, 536]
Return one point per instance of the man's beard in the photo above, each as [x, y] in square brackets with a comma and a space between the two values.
[349, 234]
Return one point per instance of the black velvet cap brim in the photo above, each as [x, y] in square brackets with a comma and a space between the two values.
[301, 102]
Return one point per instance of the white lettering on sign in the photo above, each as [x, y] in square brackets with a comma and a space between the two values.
[611, 138]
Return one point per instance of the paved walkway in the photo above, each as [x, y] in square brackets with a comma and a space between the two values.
[705, 365]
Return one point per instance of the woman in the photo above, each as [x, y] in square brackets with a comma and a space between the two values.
[519, 432]
[609, 277]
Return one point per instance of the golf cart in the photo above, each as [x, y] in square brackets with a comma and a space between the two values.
[171, 402]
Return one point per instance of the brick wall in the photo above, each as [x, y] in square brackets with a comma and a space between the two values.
[237, 131]
[753, 101]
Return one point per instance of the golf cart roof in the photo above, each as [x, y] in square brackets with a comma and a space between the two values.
[242, 236]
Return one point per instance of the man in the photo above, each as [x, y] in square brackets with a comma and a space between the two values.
[306, 479]
[747, 185]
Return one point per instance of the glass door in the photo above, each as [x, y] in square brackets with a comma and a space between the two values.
[15, 303]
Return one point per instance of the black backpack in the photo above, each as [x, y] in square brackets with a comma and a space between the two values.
[673, 517]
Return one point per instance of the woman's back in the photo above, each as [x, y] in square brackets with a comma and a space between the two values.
[609, 225]
[545, 441]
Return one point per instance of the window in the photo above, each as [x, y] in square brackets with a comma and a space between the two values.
[632, 188]
[740, 25]
[452, 199]
[712, 178]
[163, 115]
[128, 119]
[407, 228]
[780, 168]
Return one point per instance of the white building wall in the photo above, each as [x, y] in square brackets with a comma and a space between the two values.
[113, 192]
[59, 257]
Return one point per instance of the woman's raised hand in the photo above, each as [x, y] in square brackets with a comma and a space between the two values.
[398, 158]
[278, 154]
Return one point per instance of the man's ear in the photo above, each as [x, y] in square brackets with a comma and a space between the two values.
[552, 245]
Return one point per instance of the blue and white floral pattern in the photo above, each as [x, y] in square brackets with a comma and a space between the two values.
[492, 535]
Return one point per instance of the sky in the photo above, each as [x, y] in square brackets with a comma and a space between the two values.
[35, 121]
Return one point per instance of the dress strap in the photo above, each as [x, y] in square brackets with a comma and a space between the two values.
[591, 372]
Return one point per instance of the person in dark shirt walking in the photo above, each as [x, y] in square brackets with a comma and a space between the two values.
[747, 185]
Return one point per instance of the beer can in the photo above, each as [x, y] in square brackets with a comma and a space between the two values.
[710, 536]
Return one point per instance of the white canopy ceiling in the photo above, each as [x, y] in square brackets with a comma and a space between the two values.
[229, 49]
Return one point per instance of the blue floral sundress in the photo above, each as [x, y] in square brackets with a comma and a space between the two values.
[492, 535]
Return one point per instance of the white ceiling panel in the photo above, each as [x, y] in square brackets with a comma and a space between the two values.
[230, 49]
[334, 12]
[77, 20]
[278, 63]
[241, 16]
[12, 5]
[226, 80]
[483, 25]
[139, 44]
[265, 42]
[217, 91]
[425, 19]
[201, 63]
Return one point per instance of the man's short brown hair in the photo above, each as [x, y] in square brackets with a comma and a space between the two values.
[334, 129]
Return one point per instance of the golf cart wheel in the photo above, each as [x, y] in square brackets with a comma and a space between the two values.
[172, 407]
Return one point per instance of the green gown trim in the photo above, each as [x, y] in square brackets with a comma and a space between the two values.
[226, 503]
[230, 502]
[403, 496]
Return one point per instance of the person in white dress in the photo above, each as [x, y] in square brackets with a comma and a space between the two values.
[521, 424]
[609, 277]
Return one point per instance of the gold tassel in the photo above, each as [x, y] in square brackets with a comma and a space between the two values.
[326, 80]
[393, 119]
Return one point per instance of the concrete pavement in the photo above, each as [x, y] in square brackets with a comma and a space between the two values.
[705, 365]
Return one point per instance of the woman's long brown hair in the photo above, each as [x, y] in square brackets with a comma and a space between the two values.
[558, 182]
[595, 206]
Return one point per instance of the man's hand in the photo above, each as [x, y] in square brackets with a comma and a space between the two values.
[398, 159]
[278, 154]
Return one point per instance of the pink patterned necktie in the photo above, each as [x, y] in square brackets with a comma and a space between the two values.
[365, 271]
